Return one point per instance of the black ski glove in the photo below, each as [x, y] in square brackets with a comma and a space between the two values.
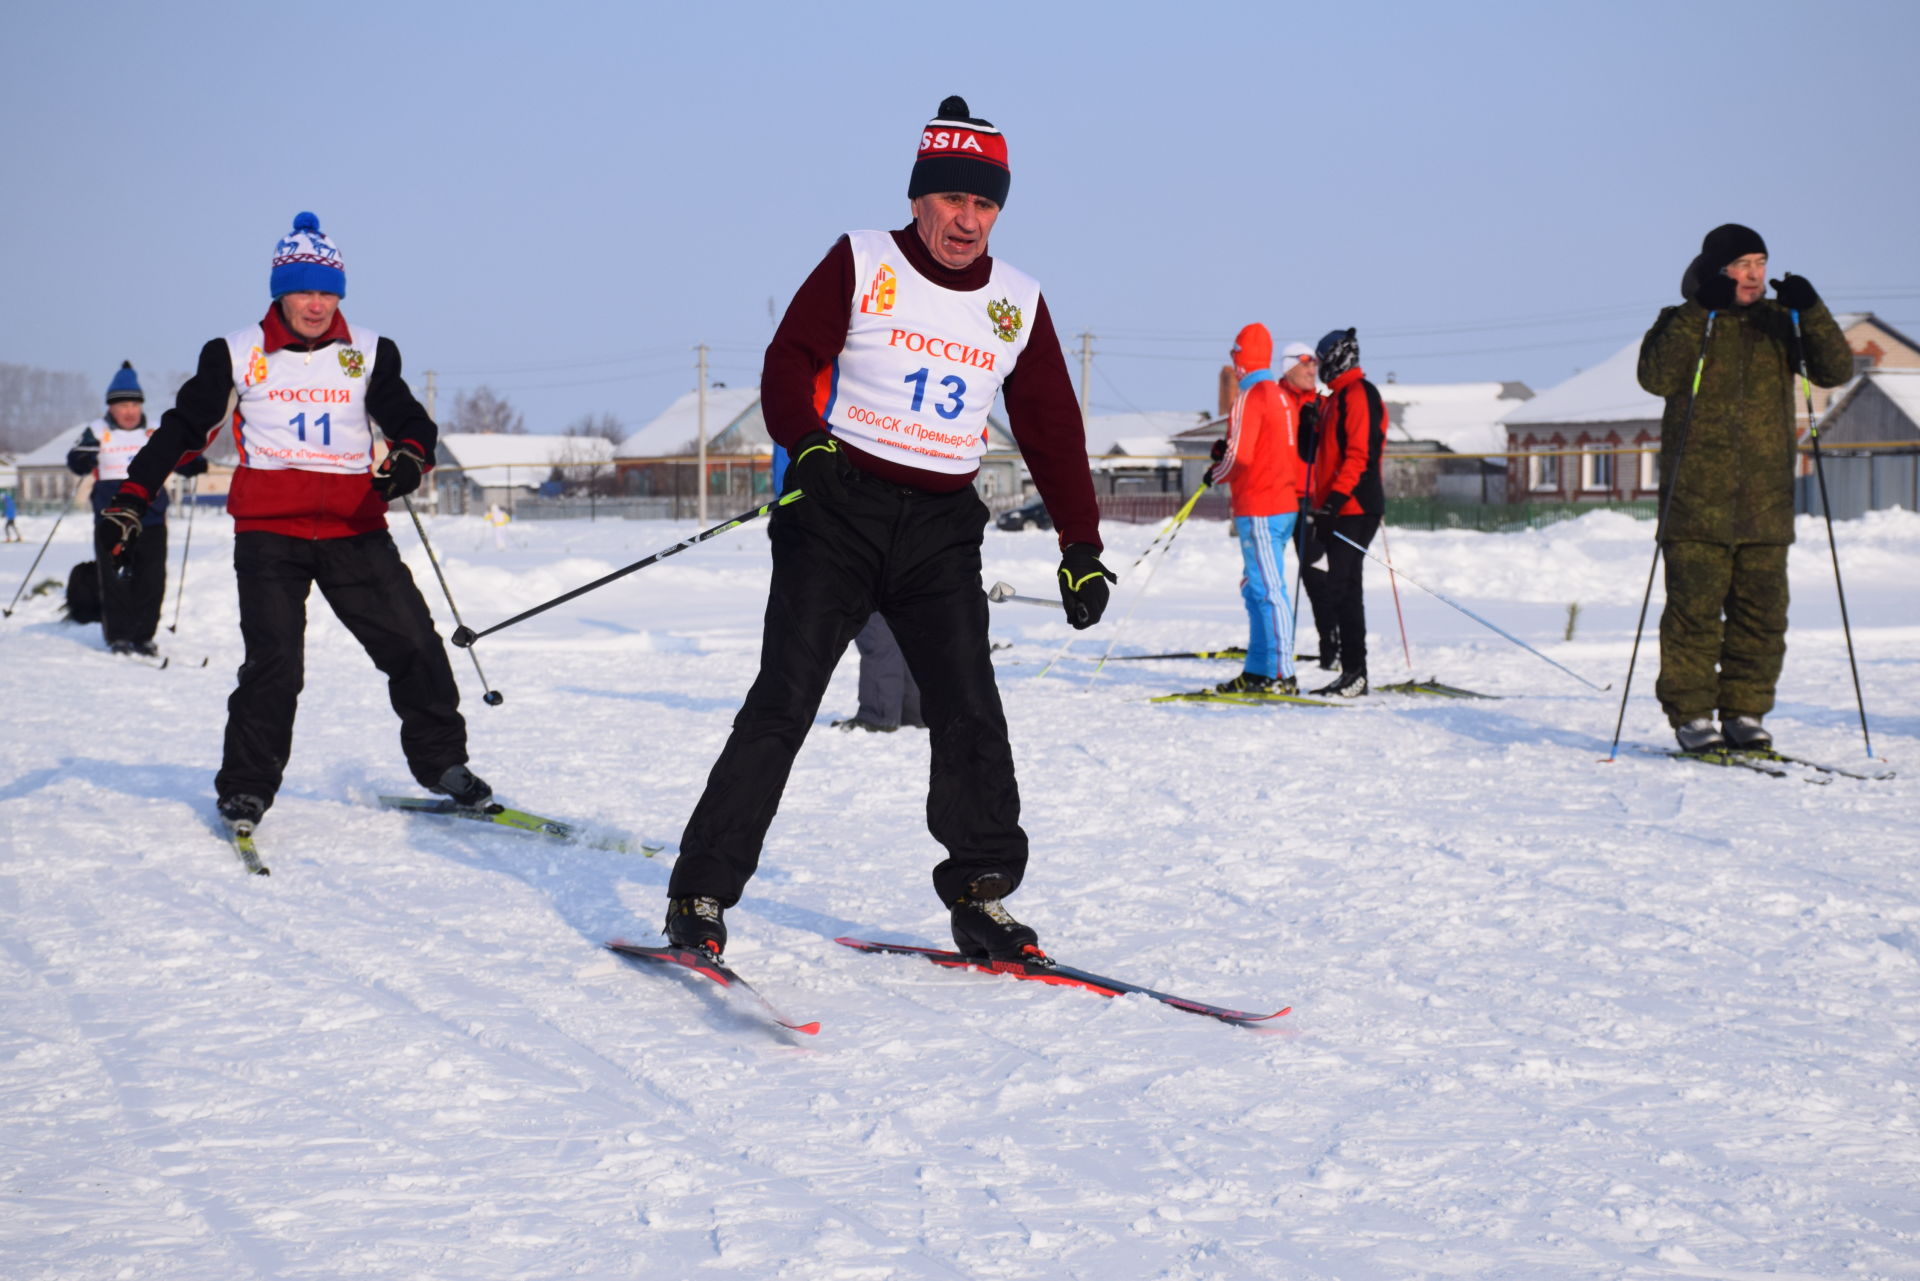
[819, 468]
[1329, 511]
[85, 456]
[399, 472]
[1795, 292]
[193, 467]
[1083, 584]
[1716, 292]
[121, 521]
[1213, 470]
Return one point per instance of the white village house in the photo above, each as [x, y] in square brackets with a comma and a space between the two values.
[477, 470]
[1571, 432]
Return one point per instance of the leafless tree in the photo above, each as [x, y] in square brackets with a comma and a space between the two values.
[605, 426]
[485, 411]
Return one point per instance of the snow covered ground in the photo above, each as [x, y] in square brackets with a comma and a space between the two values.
[1552, 1017]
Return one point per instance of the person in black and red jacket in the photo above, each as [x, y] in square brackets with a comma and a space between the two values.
[1344, 496]
[133, 591]
[307, 392]
[878, 382]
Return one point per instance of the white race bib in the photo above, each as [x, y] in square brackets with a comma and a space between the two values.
[922, 363]
[303, 411]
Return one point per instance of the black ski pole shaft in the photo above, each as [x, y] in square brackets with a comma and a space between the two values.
[1492, 627]
[1826, 513]
[8, 611]
[186, 550]
[491, 696]
[466, 636]
[1671, 481]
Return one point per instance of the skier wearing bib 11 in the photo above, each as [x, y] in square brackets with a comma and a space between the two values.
[878, 381]
[307, 391]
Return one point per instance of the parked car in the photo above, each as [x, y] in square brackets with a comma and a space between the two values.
[1034, 514]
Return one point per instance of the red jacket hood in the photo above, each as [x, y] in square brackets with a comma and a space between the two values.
[1252, 349]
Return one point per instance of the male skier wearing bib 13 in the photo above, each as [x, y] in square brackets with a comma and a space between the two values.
[878, 382]
[306, 390]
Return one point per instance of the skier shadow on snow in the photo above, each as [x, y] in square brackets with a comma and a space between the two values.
[1483, 724]
[147, 781]
[678, 702]
[584, 884]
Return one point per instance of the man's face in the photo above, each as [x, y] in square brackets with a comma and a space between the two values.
[1302, 373]
[1749, 276]
[126, 413]
[954, 225]
[309, 314]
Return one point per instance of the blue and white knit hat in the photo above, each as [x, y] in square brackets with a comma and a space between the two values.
[125, 384]
[305, 261]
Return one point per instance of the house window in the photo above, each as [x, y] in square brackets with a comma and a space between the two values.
[1543, 471]
[1596, 468]
[1649, 467]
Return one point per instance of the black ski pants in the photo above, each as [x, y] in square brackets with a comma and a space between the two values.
[915, 558]
[373, 594]
[130, 603]
[1339, 605]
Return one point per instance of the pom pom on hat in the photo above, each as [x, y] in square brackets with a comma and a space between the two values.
[125, 385]
[305, 261]
[959, 152]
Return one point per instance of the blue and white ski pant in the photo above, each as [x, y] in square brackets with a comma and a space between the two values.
[1269, 613]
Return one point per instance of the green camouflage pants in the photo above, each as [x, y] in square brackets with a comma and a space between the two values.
[1723, 635]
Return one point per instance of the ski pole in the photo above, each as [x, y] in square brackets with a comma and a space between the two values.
[1826, 512]
[1173, 532]
[1659, 528]
[466, 636]
[1393, 583]
[1476, 618]
[492, 697]
[1173, 523]
[1001, 592]
[71, 494]
[186, 550]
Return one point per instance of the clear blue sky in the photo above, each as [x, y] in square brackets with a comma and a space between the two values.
[561, 199]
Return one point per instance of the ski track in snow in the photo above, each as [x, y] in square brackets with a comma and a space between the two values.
[1552, 1016]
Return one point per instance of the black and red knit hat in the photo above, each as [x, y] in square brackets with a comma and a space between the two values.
[960, 153]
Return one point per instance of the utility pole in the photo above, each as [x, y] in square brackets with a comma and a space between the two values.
[430, 397]
[702, 349]
[1086, 369]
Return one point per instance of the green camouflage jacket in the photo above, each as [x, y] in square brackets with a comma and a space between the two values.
[1736, 476]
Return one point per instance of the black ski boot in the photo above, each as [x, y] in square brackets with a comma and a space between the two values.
[982, 928]
[1350, 685]
[1745, 733]
[1286, 685]
[1246, 683]
[242, 813]
[696, 924]
[1699, 735]
[468, 790]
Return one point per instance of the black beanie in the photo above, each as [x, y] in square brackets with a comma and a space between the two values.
[960, 153]
[1728, 242]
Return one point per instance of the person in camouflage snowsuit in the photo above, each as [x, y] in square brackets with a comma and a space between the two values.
[1727, 453]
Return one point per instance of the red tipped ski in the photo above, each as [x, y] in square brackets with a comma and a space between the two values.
[709, 967]
[1062, 976]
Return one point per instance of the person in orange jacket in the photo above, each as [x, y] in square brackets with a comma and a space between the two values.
[1259, 461]
[1344, 496]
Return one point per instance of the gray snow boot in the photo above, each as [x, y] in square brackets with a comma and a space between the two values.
[1699, 735]
[468, 790]
[1745, 733]
[242, 813]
